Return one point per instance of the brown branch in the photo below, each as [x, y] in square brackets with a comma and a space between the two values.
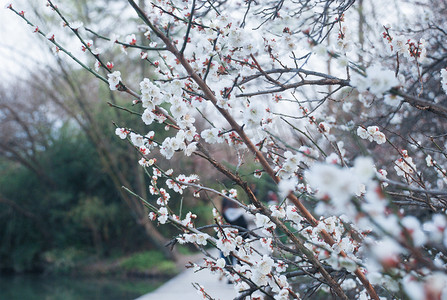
[340, 82]
[288, 70]
[422, 104]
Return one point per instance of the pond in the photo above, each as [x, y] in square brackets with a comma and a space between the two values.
[69, 288]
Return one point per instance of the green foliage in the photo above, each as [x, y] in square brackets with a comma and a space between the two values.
[80, 209]
[63, 260]
[185, 250]
[149, 260]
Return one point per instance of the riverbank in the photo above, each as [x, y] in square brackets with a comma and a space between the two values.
[143, 264]
[146, 264]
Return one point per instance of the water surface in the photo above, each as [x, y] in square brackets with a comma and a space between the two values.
[68, 288]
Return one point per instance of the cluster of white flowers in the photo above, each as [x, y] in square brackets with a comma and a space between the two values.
[344, 41]
[372, 133]
[146, 162]
[278, 211]
[294, 216]
[405, 47]
[262, 221]
[342, 242]
[212, 136]
[163, 215]
[377, 81]
[114, 80]
[261, 270]
[339, 184]
[194, 238]
[226, 242]
[144, 144]
[292, 161]
[122, 132]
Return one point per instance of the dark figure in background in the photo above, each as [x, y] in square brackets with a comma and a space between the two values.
[233, 215]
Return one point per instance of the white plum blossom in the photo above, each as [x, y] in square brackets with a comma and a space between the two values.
[152, 216]
[226, 245]
[282, 295]
[309, 155]
[202, 239]
[348, 284]
[344, 41]
[333, 158]
[404, 166]
[148, 116]
[179, 110]
[163, 215]
[166, 148]
[259, 278]
[220, 263]
[290, 164]
[76, 25]
[131, 39]
[122, 132]
[253, 115]
[277, 211]
[264, 222]
[190, 148]
[267, 243]
[265, 265]
[147, 101]
[400, 45]
[281, 266]
[212, 136]
[96, 51]
[293, 215]
[137, 139]
[146, 162]
[392, 100]
[146, 86]
[339, 184]
[114, 80]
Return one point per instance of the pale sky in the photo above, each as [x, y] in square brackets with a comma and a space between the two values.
[18, 48]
